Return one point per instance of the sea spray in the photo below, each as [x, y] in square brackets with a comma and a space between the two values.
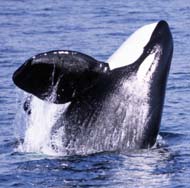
[39, 125]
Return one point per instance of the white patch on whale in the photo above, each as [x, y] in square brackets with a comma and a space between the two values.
[132, 48]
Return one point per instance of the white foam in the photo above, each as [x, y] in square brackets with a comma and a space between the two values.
[40, 122]
[132, 48]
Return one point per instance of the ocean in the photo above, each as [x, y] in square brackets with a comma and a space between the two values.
[96, 28]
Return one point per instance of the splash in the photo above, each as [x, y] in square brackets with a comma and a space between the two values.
[40, 122]
[39, 125]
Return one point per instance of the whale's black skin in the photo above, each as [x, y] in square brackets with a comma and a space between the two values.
[100, 98]
[72, 72]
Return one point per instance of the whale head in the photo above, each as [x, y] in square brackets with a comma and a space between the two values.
[150, 42]
[142, 64]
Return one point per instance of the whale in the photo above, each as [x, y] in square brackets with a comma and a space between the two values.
[112, 105]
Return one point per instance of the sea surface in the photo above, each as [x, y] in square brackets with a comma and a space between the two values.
[96, 28]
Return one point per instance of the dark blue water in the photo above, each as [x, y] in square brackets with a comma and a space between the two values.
[96, 28]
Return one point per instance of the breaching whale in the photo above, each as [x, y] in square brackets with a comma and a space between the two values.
[111, 106]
